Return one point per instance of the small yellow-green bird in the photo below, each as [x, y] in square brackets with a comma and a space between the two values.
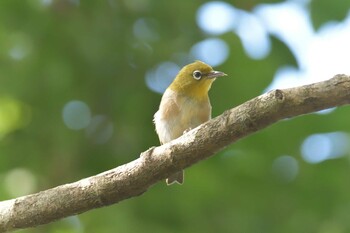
[185, 105]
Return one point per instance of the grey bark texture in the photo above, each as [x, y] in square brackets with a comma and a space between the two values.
[157, 163]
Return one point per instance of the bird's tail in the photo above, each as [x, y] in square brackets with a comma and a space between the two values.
[177, 177]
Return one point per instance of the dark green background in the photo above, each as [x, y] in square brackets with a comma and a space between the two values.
[87, 52]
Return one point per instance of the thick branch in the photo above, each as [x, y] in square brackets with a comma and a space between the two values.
[155, 164]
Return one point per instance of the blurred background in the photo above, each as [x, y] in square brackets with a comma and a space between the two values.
[81, 80]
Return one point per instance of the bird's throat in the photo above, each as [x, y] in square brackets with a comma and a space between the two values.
[199, 91]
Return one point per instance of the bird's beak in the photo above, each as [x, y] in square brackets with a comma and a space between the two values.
[215, 74]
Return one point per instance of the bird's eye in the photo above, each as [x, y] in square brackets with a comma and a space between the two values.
[197, 75]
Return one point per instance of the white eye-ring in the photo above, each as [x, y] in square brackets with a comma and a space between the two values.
[197, 74]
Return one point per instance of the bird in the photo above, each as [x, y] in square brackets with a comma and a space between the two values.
[185, 105]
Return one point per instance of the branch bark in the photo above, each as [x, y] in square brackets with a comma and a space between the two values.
[157, 163]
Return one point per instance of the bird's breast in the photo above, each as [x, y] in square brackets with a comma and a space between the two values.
[177, 113]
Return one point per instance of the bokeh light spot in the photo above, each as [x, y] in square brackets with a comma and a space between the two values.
[17, 53]
[253, 35]
[76, 115]
[21, 46]
[213, 51]
[75, 224]
[285, 168]
[159, 78]
[319, 147]
[299, 31]
[19, 182]
[216, 17]
[319, 54]
[285, 77]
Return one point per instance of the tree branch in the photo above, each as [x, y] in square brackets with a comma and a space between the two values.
[157, 163]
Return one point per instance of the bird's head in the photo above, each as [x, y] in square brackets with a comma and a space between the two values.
[195, 79]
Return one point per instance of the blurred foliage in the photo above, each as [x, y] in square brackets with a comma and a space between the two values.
[323, 11]
[53, 52]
